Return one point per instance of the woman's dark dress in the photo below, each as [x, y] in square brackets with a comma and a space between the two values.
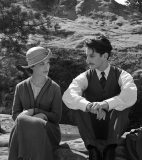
[31, 137]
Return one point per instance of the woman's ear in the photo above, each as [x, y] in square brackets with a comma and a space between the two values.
[32, 67]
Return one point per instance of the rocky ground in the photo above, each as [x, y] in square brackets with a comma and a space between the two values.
[71, 145]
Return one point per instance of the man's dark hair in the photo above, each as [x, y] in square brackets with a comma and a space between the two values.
[100, 44]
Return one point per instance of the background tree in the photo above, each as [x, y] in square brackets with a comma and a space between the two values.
[135, 4]
[16, 25]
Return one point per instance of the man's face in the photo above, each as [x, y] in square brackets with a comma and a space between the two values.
[95, 60]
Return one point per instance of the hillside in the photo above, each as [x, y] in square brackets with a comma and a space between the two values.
[81, 19]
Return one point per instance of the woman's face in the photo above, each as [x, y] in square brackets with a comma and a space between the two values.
[42, 68]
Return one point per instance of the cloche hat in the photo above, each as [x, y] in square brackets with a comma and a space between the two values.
[36, 55]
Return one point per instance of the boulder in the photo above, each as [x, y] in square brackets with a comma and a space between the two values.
[121, 150]
[71, 146]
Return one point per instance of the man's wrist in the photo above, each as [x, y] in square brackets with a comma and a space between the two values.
[88, 107]
[107, 106]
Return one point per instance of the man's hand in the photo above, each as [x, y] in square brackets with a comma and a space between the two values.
[102, 105]
[101, 115]
[98, 108]
[28, 112]
[93, 108]
[41, 115]
[88, 107]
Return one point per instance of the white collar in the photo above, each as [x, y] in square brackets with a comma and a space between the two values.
[106, 72]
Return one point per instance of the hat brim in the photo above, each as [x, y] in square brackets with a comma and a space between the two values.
[47, 57]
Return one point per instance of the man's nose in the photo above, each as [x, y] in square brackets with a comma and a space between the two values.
[87, 60]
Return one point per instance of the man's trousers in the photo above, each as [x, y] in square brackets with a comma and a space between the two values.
[100, 133]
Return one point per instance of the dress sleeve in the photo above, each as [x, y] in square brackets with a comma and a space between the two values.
[17, 105]
[54, 115]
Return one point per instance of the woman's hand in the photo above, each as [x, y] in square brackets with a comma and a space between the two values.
[28, 112]
[41, 115]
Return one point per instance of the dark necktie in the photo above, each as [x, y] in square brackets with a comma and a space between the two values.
[103, 79]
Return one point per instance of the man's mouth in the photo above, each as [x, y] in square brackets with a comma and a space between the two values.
[45, 71]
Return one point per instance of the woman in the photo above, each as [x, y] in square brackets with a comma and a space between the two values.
[36, 110]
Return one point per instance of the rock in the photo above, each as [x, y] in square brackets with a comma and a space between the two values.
[67, 154]
[4, 138]
[3, 153]
[121, 150]
[71, 146]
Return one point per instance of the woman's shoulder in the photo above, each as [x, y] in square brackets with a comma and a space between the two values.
[54, 84]
[23, 83]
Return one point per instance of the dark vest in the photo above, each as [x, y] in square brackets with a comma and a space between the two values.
[95, 92]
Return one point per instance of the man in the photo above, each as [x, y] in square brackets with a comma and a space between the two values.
[100, 99]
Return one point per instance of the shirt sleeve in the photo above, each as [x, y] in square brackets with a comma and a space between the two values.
[128, 94]
[72, 97]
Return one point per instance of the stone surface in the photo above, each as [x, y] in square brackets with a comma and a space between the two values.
[121, 150]
[71, 147]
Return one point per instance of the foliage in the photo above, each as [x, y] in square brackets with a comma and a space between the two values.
[17, 24]
[9, 76]
[66, 65]
[135, 4]
[102, 15]
[69, 3]
[48, 3]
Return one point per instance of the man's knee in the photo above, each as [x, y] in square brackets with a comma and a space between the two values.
[75, 114]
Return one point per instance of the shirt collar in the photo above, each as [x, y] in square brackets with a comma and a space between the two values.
[106, 72]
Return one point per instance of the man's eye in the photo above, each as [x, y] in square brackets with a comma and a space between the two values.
[41, 64]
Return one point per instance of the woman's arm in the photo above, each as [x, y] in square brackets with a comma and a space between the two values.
[17, 105]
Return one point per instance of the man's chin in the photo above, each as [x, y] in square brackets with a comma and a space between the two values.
[92, 67]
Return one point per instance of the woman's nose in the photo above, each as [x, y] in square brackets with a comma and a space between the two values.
[47, 66]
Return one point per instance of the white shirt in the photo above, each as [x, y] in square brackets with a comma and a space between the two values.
[106, 72]
[73, 99]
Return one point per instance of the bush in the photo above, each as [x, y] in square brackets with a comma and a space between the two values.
[48, 3]
[135, 4]
[16, 25]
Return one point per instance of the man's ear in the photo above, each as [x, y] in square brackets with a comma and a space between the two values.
[105, 55]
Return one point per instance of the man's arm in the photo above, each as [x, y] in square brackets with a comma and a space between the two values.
[73, 95]
[127, 96]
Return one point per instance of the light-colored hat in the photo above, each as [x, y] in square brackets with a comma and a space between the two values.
[36, 55]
